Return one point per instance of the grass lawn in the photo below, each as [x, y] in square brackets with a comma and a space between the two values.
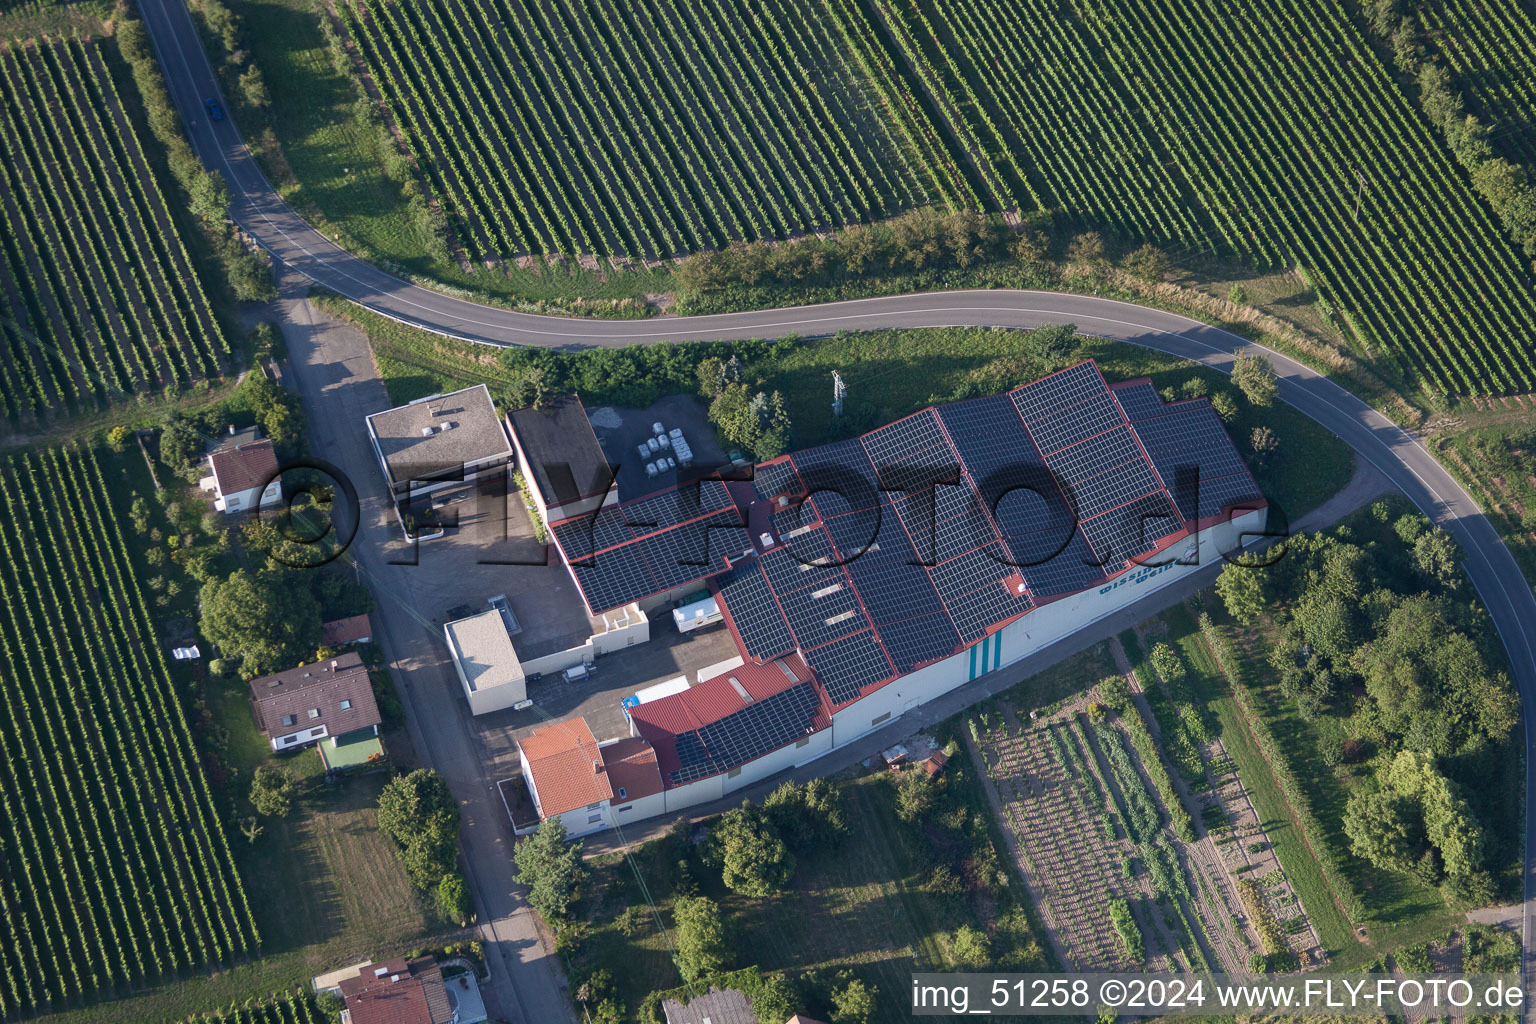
[861, 907]
[889, 375]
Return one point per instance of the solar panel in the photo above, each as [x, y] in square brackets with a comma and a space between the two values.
[772, 479]
[891, 589]
[615, 578]
[1072, 569]
[1024, 502]
[1105, 471]
[838, 477]
[1131, 529]
[675, 506]
[748, 734]
[822, 614]
[988, 435]
[811, 546]
[1139, 399]
[1066, 407]
[585, 534]
[848, 666]
[786, 572]
[1190, 441]
[904, 440]
[976, 593]
[759, 623]
[853, 534]
[914, 641]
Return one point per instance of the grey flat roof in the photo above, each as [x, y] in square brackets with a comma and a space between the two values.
[477, 434]
[484, 650]
[562, 450]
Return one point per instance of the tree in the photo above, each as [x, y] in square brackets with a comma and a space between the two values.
[1237, 295]
[1053, 342]
[703, 943]
[1384, 828]
[551, 868]
[1242, 590]
[118, 439]
[209, 197]
[181, 447]
[260, 617]
[453, 899]
[916, 793]
[809, 818]
[1224, 406]
[755, 861]
[854, 1003]
[969, 949]
[272, 790]
[1086, 250]
[1255, 378]
[1437, 556]
[419, 813]
[1147, 262]
[1265, 442]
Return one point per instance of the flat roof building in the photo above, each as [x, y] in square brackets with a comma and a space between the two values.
[486, 662]
[561, 459]
[434, 442]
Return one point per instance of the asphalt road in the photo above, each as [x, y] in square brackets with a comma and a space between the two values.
[1395, 453]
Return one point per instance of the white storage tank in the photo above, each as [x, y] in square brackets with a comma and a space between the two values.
[650, 469]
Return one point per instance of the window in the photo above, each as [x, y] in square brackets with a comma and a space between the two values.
[877, 720]
[593, 819]
[629, 808]
[346, 705]
[317, 732]
[622, 793]
[802, 741]
[314, 713]
[290, 720]
[733, 773]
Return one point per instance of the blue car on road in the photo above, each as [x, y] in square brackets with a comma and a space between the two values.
[215, 112]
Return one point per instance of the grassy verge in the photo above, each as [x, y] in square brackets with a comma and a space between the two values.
[889, 374]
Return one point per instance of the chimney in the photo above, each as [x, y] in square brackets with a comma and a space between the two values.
[597, 767]
[231, 430]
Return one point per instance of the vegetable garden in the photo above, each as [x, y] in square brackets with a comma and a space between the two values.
[98, 298]
[1121, 873]
[652, 129]
[1266, 132]
[114, 870]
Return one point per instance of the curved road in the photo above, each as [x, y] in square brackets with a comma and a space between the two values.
[258, 209]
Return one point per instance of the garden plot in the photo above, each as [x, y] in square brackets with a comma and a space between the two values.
[1087, 826]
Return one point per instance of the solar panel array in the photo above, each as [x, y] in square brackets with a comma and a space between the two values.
[746, 735]
[626, 552]
[1196, 459]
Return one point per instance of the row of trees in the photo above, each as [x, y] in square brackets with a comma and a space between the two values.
[419, 813]
[1376, 625]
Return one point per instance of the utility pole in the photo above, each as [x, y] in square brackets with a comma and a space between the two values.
[1359, 194]
[839, 392]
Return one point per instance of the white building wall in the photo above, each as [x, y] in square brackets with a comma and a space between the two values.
[1035, 631]
[626, 811]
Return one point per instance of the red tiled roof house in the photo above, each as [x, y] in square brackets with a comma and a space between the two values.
[243, 475]
[588, 786]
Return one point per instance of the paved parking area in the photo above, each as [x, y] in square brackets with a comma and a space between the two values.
[620, 430]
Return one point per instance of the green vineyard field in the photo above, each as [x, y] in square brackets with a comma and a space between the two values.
[650, 129]
[1252, 131]
[114, 869]
[1487, 47]
[284, 1010]
[99, 301]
